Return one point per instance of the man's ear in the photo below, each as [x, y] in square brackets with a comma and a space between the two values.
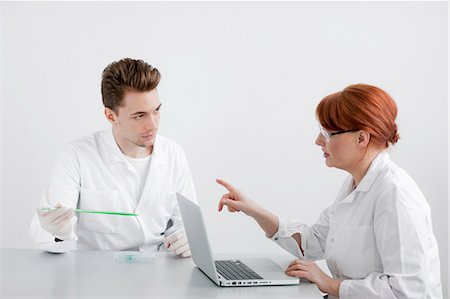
[110, 115]
[363, 138]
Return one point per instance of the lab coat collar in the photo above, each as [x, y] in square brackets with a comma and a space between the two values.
[373, 172]
[116, 154]
[348, 195]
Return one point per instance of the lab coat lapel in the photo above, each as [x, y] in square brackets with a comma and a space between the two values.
[367, 181]
[118, 165]
[373, 172]
[114, 154]
[153, 182]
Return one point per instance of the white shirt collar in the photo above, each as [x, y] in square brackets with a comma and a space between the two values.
[117, 155]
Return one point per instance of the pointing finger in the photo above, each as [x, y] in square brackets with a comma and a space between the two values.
[226, 185]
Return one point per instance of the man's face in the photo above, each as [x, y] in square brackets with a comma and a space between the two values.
[137, 120]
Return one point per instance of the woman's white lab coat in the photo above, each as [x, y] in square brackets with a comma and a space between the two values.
[377, 238]
[93, 174]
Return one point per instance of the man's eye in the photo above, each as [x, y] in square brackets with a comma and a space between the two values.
[138, 117]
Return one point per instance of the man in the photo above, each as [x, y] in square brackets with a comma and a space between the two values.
[128, 168]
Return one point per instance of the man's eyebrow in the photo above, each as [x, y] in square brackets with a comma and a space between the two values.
[138, 112]
[144, 112]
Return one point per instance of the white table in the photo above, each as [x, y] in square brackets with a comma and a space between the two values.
[34, 273]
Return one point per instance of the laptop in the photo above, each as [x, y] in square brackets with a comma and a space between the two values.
[227, 273]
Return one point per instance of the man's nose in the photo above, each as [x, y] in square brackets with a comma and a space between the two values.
[151, 123]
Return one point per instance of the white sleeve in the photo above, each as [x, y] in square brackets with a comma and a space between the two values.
[313, 238]
[184, 186]
[404, 244]
[64, 189]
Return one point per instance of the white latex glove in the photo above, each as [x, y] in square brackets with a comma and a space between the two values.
[57, 222]
[178, 243]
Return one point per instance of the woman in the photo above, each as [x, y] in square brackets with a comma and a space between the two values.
[377, 236]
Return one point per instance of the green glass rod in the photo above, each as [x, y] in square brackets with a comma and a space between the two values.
[96, 212]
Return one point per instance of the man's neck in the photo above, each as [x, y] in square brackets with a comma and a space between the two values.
[129, 149]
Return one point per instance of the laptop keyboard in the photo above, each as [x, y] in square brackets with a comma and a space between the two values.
[235, 270]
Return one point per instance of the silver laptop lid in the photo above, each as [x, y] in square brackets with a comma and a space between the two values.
[197, 237]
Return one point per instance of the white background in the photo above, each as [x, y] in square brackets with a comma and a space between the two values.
[240, 83]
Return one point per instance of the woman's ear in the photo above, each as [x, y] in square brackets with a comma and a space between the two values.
[363, 138]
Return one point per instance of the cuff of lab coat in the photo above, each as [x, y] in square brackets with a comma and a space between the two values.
[287, 228]
[282, 229]
[344, 289]
[283, 237]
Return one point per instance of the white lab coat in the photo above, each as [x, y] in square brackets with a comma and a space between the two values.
[377, 238]
[93, 174]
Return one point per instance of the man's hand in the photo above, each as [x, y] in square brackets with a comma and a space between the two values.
[178, 243]
[57, 222]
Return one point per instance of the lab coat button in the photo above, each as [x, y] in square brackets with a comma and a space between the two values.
[332, 240]
[276, 238]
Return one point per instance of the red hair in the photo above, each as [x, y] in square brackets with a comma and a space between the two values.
[361, 107]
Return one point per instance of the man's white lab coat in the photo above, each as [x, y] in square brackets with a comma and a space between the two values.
[377, 238]
[92, 173]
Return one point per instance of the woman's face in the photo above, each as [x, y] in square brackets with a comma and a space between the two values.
[340, 150]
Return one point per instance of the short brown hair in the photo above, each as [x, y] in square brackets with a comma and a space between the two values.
[126, 74]
[361, 107]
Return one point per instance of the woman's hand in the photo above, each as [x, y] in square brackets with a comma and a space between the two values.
[312, 272]
[236, 201]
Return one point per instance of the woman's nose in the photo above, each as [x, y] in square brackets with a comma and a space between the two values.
[320, 140]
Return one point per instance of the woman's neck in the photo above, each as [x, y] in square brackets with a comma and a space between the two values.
[361, 165]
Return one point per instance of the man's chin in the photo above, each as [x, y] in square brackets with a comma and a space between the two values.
[146, 143]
